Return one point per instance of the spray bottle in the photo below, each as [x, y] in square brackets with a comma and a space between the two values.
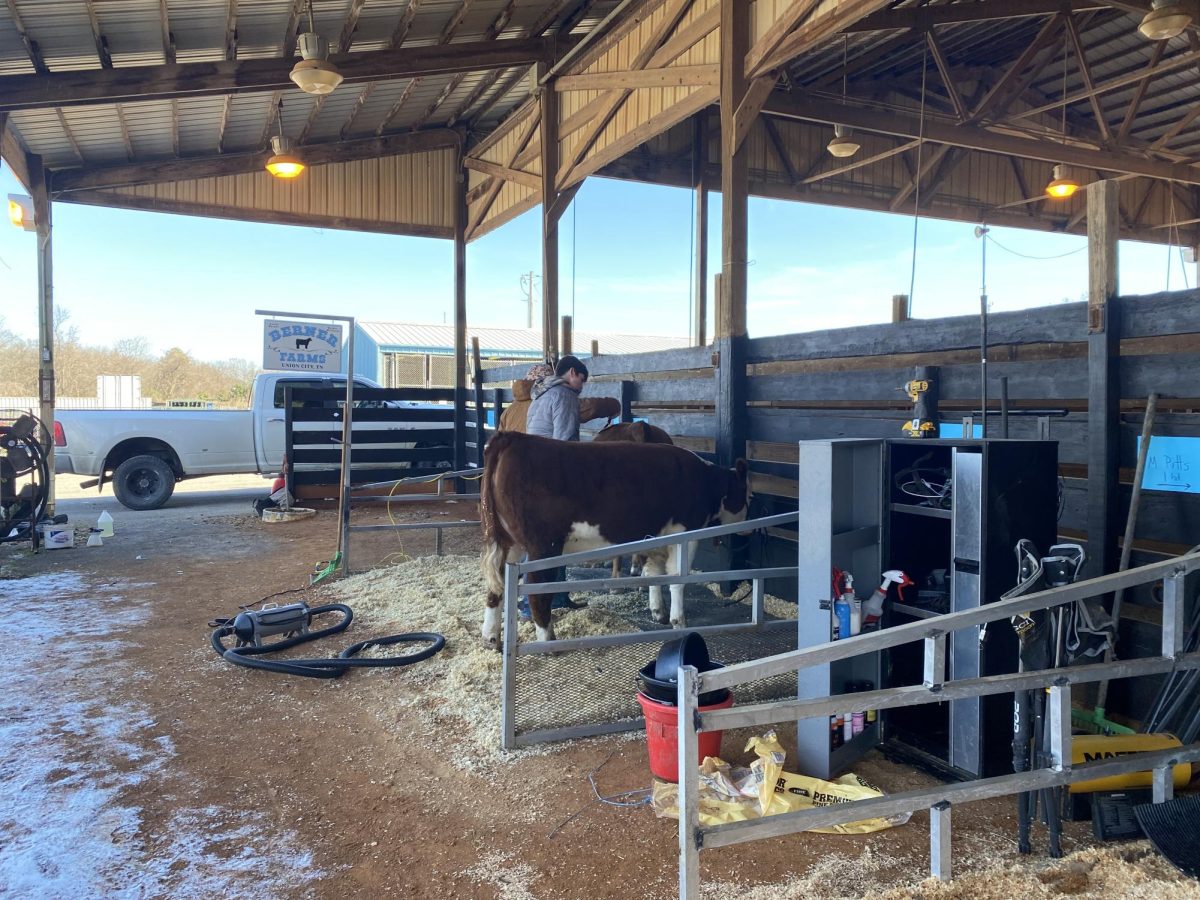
[873, 608]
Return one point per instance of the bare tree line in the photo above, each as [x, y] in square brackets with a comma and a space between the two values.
[174, 375]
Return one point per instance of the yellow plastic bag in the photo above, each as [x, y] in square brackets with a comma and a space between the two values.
[729, 794]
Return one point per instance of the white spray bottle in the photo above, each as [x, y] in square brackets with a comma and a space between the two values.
[873, 608]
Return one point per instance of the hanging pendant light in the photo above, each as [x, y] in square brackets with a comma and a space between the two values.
[842, 145]
[1166, 20]
[283, 162]
[1062, 185]
[314, 74]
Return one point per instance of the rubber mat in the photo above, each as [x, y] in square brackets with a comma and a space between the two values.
[1173, 828]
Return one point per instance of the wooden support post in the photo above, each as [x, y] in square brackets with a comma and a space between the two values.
[460, 321]
[548, 135]
[626, 398]
[480, 403]
[566, 335]
[730, 329]
[595, 349]
[699, 161]
[1104, 333]
[40, 194]
[900, 309]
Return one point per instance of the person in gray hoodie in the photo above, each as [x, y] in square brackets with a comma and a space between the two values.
[554, 412]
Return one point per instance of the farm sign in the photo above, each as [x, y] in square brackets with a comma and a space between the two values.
[300, 347]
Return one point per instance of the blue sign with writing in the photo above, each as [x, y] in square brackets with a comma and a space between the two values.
[1173, 464]
[955, 430]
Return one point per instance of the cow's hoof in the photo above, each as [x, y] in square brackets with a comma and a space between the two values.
[678, 623]
[659, 617]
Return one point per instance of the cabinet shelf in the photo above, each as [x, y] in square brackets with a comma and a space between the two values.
[914, 510]
[914, 611]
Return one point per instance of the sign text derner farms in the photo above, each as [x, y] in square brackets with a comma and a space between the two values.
[300, 347]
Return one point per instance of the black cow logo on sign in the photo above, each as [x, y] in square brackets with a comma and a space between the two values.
[302, 343]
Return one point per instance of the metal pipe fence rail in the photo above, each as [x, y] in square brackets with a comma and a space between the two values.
[437, 527]
[513, 589]
[935, 689]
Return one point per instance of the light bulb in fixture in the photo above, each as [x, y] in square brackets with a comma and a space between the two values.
[283, 163]
[842, 144]
[20, 212]
[1166, 20]
[1062, 186]
[314, 74]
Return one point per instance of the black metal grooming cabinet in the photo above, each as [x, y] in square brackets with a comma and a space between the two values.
[949, 514]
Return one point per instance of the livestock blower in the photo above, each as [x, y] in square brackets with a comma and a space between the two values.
[250, 627]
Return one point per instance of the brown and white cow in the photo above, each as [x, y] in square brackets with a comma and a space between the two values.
[543, 497]
[638, 432]
[642, 433]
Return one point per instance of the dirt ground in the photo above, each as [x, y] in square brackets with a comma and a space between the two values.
[139, 764]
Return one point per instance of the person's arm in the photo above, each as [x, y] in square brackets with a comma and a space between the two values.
[598, 408]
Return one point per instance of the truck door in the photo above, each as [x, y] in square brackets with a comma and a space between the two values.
[272, 436]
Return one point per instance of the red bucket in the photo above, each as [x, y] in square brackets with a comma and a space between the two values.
[662, 733]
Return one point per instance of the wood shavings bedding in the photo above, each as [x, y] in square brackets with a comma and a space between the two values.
[1132, 871]
[445, 594]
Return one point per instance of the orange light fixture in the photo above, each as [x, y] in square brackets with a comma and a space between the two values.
[20, 212]
[1062, 186]
[283, 163]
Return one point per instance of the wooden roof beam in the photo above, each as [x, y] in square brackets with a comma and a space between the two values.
[343, 46]
[1124, 79]
[98, 36]
[62, 121]
[291, 31]
[498, 25]
[31, 46]
[924, 17]
[231, 35]
[1139, 95]
[1086, 73]
[100, 177]
[139, 83]
[943, 67]
[908, 125]
[168, 39]
[448, 32]
[399, 35]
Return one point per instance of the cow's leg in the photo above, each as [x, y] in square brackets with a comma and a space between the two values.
[539, 605]
[681, 558]
[616, 567]
[656, 564]
[493, 560]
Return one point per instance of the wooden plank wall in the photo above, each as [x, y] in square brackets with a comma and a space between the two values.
[846, 383]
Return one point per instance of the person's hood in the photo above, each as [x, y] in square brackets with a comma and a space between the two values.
[521, 390]
[546, 383]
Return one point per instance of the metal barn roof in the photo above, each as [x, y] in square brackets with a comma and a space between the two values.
[416, 337]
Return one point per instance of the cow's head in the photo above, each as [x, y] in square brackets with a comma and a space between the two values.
[735, 502]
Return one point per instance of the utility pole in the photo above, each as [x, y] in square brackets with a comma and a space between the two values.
[527, 285]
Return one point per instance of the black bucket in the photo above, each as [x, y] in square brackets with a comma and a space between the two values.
[659, 677]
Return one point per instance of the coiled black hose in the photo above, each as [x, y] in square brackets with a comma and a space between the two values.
[324, 668]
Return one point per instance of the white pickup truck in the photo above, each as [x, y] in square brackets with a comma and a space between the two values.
[145, 452]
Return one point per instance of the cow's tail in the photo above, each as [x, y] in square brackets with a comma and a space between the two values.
[495, 540]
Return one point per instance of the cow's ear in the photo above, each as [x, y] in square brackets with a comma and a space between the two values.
[740, 468]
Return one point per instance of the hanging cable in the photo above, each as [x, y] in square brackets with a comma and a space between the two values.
[912, 279]
[1028, 256]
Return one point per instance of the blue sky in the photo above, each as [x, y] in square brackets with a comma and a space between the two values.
[626, 267]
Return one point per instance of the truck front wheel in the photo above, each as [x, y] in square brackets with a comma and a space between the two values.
[143, 482]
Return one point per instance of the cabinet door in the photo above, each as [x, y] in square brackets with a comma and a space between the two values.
[841, 500]
[966, 579]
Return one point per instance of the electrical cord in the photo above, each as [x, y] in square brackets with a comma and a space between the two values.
[328, 667]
